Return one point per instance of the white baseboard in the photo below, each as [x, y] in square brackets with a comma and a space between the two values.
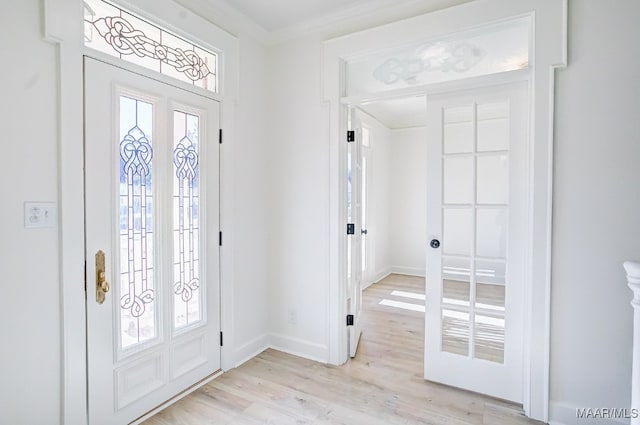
[297, 347]
[411, 271]
[251, 349]
[565, 414]
[378, 277]
[301, 348]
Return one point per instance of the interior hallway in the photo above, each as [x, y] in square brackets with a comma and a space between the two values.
[383, 385]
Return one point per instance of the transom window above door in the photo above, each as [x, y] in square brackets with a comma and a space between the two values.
[117, 32]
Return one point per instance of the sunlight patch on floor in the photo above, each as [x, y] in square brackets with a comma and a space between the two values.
[411, 295]
[402, 305]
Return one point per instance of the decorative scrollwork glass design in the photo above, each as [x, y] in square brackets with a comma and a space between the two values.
[484, 50]
[112, 30]
[186, 230]
[137, 307]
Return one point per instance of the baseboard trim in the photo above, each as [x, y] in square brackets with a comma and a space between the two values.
[565, 414]
[409, 271]
[251, 349]
[299, 347]
[378, 277]
[295, 346]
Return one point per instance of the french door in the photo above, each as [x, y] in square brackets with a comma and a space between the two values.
[152, 254]
[365, 202]
[476, 218]
[355, 232]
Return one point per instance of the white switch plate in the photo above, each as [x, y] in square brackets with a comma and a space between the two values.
[40, 214]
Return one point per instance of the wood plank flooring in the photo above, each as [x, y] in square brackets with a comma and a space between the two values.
[383, 385]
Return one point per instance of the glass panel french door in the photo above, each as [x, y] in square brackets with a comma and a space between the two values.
[365, 173]
[355, 240]
[152, 202]
[477, 197]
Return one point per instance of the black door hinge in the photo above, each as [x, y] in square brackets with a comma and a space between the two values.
[220, 136]
[221, 339]
[220, 238]
[351, 136]
[351, 229]
[349, 319]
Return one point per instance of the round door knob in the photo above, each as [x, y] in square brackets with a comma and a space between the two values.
[364, 231]
[435, 243]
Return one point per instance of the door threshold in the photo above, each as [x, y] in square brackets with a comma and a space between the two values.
[177, 397]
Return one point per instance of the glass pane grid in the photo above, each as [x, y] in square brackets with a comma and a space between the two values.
[114, 31]
[475, 217]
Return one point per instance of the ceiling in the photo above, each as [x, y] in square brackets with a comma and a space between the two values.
[399, 113]
[277, 15]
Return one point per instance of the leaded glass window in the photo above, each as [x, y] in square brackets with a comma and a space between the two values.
[137, 300]
[114, 31]
[186, 219]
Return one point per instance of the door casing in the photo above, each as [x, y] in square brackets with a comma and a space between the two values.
[105, 84]
[548, 47]
[66, 35]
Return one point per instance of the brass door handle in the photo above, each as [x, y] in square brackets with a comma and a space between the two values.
[102, 286]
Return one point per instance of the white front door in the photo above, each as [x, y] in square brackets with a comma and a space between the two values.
[354, 232]
[477, 197]
[152, 223]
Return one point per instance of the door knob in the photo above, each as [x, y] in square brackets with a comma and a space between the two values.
[364, 231]
[435, 243]
[104, 285]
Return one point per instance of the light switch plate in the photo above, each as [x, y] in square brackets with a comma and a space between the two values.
[40, 214]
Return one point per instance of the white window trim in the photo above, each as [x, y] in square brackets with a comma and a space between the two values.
[63, 26]
[548, 51]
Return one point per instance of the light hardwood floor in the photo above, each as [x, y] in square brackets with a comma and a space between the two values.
[383, 385]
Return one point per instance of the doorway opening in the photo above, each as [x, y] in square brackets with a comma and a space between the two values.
[450, 199]
[390, 188]
[398, 61]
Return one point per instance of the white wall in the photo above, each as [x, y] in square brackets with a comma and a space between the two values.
[596, 208]
[30, 300]
[251, 197]
[409, 200]
[398, 200]
[298, 199]
[380, 184]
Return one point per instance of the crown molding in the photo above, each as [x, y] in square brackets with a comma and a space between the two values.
[360, 17]
[226, 17]
[356, 18]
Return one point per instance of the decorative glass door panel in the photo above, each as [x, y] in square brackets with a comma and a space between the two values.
[476, 204]
[138, 321]
[151, 163]
[186, 231]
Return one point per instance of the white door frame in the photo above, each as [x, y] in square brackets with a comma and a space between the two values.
[548, 50]
[63, 27]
